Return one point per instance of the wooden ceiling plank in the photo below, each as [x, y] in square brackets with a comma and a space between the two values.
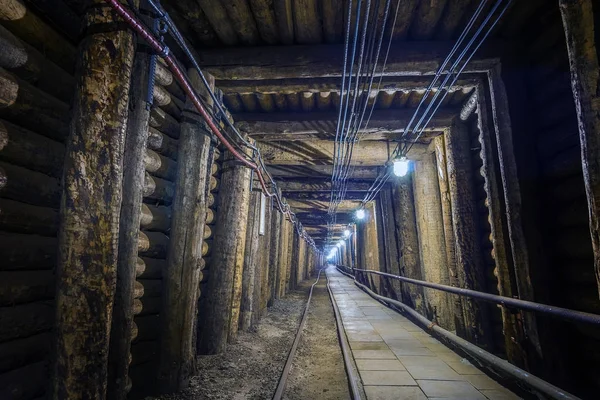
[264, 14]
[285, 20]
[426, 19]
[243, 21]
[220, 22]
[307, 22]
[451, 20]
[333, 20]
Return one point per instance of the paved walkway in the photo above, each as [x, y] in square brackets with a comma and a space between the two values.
[399, 360]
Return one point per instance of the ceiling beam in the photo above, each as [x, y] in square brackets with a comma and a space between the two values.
[323, 196]
[316, 205]
[278, 126]
[332, 85]
[322, 218]
[314, 61]
[319, 171]
[321, 152]
[318, 185]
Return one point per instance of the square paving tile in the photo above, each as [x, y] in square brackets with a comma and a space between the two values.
[399, 334]
[387, 378]
[482, 382]
[450, 390]
[379, 365]
[424, 367]
[374, 354]
[500, 394]
[363, 337]
[369, 346]
[464, 367]
[447, 355]
[394, 393]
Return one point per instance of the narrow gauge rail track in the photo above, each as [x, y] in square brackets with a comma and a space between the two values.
[348, 362]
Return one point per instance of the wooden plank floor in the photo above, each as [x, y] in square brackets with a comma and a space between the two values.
[397, 359]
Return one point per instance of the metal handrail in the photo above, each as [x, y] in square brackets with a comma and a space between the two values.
[558, 312]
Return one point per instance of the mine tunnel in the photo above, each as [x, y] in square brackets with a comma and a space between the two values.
[299, 199]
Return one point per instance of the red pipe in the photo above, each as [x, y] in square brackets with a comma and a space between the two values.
[179, 75]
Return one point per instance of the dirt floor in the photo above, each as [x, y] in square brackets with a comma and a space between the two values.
[251, 367]
[318, 370]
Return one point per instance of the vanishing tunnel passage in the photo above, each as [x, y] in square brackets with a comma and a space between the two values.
[331, 199]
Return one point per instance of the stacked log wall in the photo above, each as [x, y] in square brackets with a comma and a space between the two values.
[36, 86]
[556, 219]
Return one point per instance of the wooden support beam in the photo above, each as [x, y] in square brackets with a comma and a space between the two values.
[251, 259]
[316, 218]
[266, 258]
[92, 192]
[321, 152]
[274, 255]
[430, 227]
[182, 277]
[467, 246]
[129, 225]
[580, 22]
[222, 305]
[318, 185]
[443, 178]
[512, 198]
[514, 335]
[282, 62]
[299, 126]
[323, 196]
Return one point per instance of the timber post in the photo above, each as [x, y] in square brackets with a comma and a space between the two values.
[443, 177]
[222, 306]
[579, 17]
[182, 275]
[466, 236]
[274, 255]
[133, 188]
[90, 209]
[251, 262]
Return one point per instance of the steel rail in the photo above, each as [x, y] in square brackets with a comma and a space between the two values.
[559, 312]
[288, 363]
[353, 378]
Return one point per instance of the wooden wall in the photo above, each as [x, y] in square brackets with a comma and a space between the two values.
[554, 202]
[36, 86]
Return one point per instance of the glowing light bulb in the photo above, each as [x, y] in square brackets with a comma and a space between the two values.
[346, 233]
[341, 243]
[401, 166]
[360, 213]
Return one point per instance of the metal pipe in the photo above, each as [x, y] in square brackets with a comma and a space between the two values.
[559, 312]
[497, 362]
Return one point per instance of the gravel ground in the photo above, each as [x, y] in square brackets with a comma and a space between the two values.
[251, 367]
[318, 370]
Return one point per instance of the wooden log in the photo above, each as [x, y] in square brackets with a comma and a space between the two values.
[30, 187]
[26, 320]
[181, 275]
[92, 193]
[307, 24]
[17, 287]
[580, 30]
[264, 15]
[243, 22]
[207, 232]
[25, 218]
[206, 248]
[512, 198]
[138, 290]
[158, 189]
[451, 18]
[153, 244]
[150, 305]
[155, 218]
[274, 255]
[163, 122]
[21, 352]
[210, 216]
[142, 352]
[217, 15]
[250, 268]
[159, 166]
[440, 153]
[27, 252]
[153, 268]
[24, 148]
[25, 383]
[20, 100]
[148, 327]
[222, 305]
[152, 287]
[27, 26]
[162, 144]
[432, 247]
[266, 102]
[467, 244]
[127, 263]
[30, 65]
[213, 184]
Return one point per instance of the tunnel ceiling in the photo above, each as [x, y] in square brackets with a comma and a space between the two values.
[279, 65]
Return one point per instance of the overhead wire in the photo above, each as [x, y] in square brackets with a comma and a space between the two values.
[258, 166]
